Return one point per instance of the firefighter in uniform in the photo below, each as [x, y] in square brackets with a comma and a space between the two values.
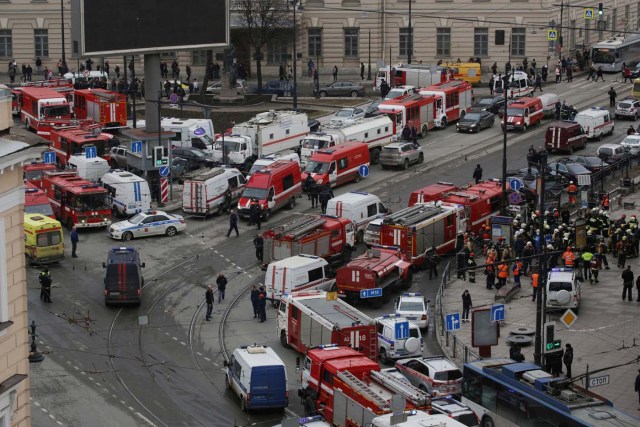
[569, 258]
[517, 271]
[573, 192]
[535, 281]
[471, 264]
[503, 274]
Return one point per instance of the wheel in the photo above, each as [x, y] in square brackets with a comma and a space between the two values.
[171, 231]
[323, 94]
[524, 128]
[243, 405]
[611, 132]
[444, 122]
[354, 93]
[375, 156]
[126, 236]
[405, 165]
[220, 209]
[487, 421]
[356, 178]
[292, 203]
[421, 158]
[283, 339]
[423, 131]
[383, 356]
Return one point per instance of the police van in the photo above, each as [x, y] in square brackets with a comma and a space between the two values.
[129, 194]
[563, 290]
[389, 347]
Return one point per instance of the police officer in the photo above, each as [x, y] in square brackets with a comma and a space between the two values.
[44, 272]
[256, 213]
[258, 243]
[324, 197]
[45, 282]
[255, 293]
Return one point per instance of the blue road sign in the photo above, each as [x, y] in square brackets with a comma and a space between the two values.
[497, 313]
[49, 157]
[174, 97]
[136, 146]
[164, 171]
[452, 322]
[91, 152]
[515, 184]
[515, 198]
[364, 171]
[402, 330]
[371, 293]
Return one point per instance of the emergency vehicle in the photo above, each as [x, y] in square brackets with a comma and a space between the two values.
[519, 85]
[129, 194]
[105, 107]
[413, 75]
[523, 113]
[430, 192]
[33, 172]
[16, 100]
[480, 202]
[565, 136]
[298, 273]
[416, 109]
[454, 100]
[596, 122]
[350, 390]
[328, 237]
[380, 268]
[43, 239]
[205, 192]
[41, 108]
[76, 201]
[308, 319]
[74, 140]
[62, 86]
[470, 72]
[419, 419]
[337, 165]
[36, 201]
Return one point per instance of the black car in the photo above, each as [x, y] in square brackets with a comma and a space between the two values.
[569, 170]
[593, 163]
[195, 157]
[372, 110]
[488, 103]
[475, 121]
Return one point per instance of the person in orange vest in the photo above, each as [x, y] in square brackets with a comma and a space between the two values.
[568, 257]
[535, 281]
[490, 271]
[573, 192]
[604, 205]
[503, 274]
[517, 271]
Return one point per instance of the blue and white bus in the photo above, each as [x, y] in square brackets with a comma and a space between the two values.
[505, 393]
[612, 53]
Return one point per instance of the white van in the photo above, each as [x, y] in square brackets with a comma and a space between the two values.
[196, 133]
[548, 104]
[563, 290]
[596, 122]
[519, 85]
[204, 194]
[417, 419]
[359, 207]
[83, 76]
[265, 161]
[390, 348]
[259, 378]
[91, 169]
[298, 273]
[129, 194]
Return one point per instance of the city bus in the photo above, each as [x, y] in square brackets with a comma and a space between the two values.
[506, 393]
[612, 53]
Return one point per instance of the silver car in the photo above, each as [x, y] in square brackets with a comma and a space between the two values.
[401, 154]
[119, 156]
[628, 108]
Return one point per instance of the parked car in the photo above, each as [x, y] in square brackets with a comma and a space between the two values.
[179, 168]
[628, 108]
[491, 103]
[216, 88]
[593, 163]
[436, 375]
[401, 154]
[118, 156]
[475, 121]
[372, 110]
[195, 157]
[633, 142]
[569, 170]
[611, 152]
[342, 89]
[348, 113]
[274, 87]
[145, 224]
[399, 91]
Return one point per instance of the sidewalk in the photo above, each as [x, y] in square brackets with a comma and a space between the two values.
[606, 333]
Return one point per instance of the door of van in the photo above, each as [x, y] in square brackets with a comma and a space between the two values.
[333, 174]
[271, 198]
[350, 234]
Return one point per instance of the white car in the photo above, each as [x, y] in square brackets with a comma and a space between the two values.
[151, 223]
[399, 91]
[216, 88]
[414, 306]
[348, 114]
[633, 142]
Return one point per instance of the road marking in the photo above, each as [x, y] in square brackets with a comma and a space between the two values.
[174, 338]
[183, 343]
[90, 378]
[145, 418]
[207, 359]
[76, 368]
[198, 353]
[44, 410]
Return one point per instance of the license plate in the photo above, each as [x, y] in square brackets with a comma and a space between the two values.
[115, 293]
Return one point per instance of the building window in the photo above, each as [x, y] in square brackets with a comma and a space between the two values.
[41, 39]
[315, 42]
[277, 52]
[5, 43]
[518, 41]
[481, 42]
[351, 42]
[627, 16]
[443, 41]
[404, 40]
[199, 57]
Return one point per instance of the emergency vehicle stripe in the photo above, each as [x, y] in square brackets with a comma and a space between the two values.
[355, 339]
[136, 192]
[397, 236]
[339, 209]
[285, 139]
[355, 276]
[112, 112]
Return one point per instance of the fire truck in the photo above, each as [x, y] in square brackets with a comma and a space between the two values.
[76, 201]
[74, 140]
[16, 99]
[350, 390]
[105, 107]
[42, 107]
[430, 193]
[480, 202]
[325, 236]
[455, 100]
[378, 272]
[413, 75]
[308, 319]
[418, 109]
[33, 172]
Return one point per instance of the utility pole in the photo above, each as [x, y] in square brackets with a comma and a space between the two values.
[560, 41]
[64, 56]
[542, 171]
[504, 134]
[410, 36]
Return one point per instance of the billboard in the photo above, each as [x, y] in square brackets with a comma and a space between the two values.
[118, 27]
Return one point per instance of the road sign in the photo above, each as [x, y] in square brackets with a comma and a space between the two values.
[515, 198]
[568, 318]
[174, 97]
[49, 157]
[364, 171]
[588, 13]
[332, 296]
[164, 171]
[584, 180]
[402, 330]
[91, 152]
[552, 34]
[596, 381]
[452, 322]
[516, 184]
[497, 313]
[86, 73]
[136, 146]
[371, 293]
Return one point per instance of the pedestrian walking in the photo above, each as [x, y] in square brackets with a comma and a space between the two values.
[255, 293]
[599, 74]
[627, 283]
[258, 243]
[335, 73]
[42, 278]
[256, 215]
[262, 305]
[558, 75]
[626, 74]
[567, 358]
[538, 83]
[221, 282]
[208, 296]
[233, 223]
[324, 198]
[466, 305]
[362, 71]
[612, 97]
[558, 109]
[314, 192]
[74, 241]
[384, 89]
[477, 173]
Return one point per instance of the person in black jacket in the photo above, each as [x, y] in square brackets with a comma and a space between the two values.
[255, 293]
[258, 243]
[210, 300]
[477, 173]
[637, 386]
[568, 358]
[221, 281]
[233, 223]
[324, 197]
[627, 283]
[466, 305]
[262, 305]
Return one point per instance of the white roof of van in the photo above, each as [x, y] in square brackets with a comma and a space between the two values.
[259, 355]
[299, 261]
[420, 419]
[123, 176]
[593, 112]
[353, 196]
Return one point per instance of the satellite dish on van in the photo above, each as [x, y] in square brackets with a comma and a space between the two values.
[199, 132]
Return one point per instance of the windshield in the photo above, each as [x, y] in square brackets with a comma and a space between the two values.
[631, 141]
[316, 167]
[486, 101]
[56, 111]
[560, 286]
[394, 94]
[255, 193]
[472, 117]
[411, 306]
[604, 56]
[50, 238]
[33, 175]
[314, 144]
[137, 218]
[451, 375]
[89, 202]
[44, 209]
[344, 113]
[80, 149]
[230, 146]
[515, 112]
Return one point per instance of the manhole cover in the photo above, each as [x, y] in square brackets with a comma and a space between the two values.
[523, 331]
[519, 339]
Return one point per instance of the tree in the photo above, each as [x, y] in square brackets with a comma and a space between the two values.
[262, 22]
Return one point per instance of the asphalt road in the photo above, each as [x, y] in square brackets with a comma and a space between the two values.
[162, 364]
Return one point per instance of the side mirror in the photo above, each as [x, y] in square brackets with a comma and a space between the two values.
[143, 265]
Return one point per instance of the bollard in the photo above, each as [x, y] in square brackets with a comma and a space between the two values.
[34, 354]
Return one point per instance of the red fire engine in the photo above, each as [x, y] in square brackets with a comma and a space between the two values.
[76, 201]
[418, 109]
[430, 193]
[325, 236]
[74, 140]
[455, 100]
[350, 390]
[42, 107]
[105, 107]
[36, 201]
[480, 202]
[379, 268]
[16, 99]
[33, 172]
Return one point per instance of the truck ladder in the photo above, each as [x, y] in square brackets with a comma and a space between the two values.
[363, 389]
[413, 394]
[299, 226]
[415, 213]
[463, 195]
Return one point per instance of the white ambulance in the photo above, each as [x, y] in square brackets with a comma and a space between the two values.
[298, 273]
[204, 194]
[596, 122]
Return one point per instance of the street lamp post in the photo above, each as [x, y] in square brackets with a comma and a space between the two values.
[540, 317]
[410, 36]
[64, 56]
[295, 54]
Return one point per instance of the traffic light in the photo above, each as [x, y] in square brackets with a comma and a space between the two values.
[600, 9]
[550, 343]
[159, 159]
